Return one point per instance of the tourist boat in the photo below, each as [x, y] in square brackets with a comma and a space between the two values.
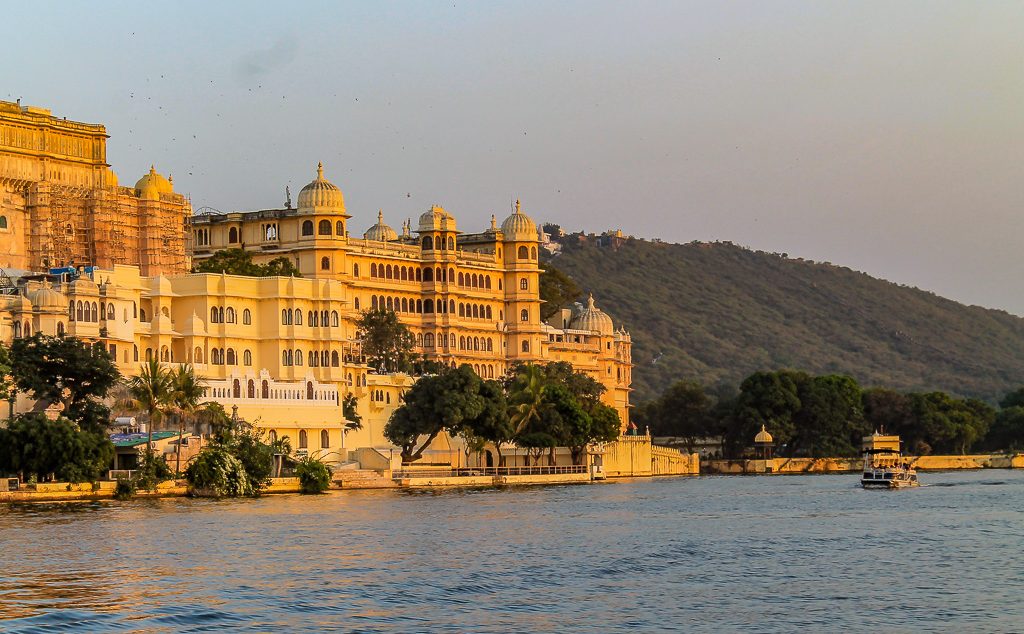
[884, 465]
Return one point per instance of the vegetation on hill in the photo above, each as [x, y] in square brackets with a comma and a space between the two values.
[239, 262]
[715, 313]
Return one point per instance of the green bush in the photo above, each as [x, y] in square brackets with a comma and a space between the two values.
[217, 473]
[154, 470]
[314, 475]
[125, 489]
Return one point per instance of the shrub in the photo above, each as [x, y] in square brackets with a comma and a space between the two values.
[125, 489]
[154, 470]
[314, 475]
[217, 473]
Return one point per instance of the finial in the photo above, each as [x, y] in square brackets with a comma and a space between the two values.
[320, 169]
[380, 216]
[170, 178]
[590, 301]
[152, 169]
[494, 223]
[517, 206]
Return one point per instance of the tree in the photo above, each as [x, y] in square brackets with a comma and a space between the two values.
[491, 423]
[766, 398]
[387, 342]
[445, 402]
[32, 444]
[948, 424]
[314, 476]
[7, 387]
[216, 472]
[1007, 431]
[557, 290]
[683, 411]
[152, 392]
[187, 390]
[1013, 399]
[349, 410]
[526, 397]
[239, 262]
[830, 421]
[62, 370]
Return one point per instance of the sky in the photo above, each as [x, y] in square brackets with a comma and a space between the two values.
[883, 136]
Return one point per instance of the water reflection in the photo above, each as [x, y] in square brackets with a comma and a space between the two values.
[707, 554]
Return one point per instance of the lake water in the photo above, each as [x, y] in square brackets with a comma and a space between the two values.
[782, 553]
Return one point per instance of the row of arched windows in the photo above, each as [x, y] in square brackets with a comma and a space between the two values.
[229, 316]
[438, 243]
[86, 311]
[266, 392]
[427, 274]
[527, 254]
[476, 344]
[325, 439]
[380, 396]
[220, 356]
[314, 359]
[323, 228]
[202, 237]
[476, 311]
[474, 280]
[314, 318]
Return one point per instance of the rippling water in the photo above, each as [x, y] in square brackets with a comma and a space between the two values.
[707, 554]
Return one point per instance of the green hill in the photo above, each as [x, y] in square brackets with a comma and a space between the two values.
[717, 312]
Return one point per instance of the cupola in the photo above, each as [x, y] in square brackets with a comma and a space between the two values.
[152, 185]
[436, 219]
[380, 231]
[593, 319]
[519, 227]
[321, 195]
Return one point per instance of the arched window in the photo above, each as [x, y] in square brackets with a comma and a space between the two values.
[247, 358]
[405, 273]
[428, 305]
[311, 359]
[419, 305]
[233, 235]
[298, 318]
[462, 280]
[197, 355]
[462, 343]
[335, 359]
[298, 356]
[325, 263]
[526, 346]
[232, 358]
[524, 284]
[307, 228]
[487, 311]
[451, 306]
[438, 244]
[355, 270]
[339, 229]
[284, 357]
[462, 310]
[71, 310]
[247, 317]
[110, 312]
[428, 243]
[265, 389]
[324, 228]
[303, 439]
[533, 253]
[373, 302]
[451, 275]
[490, 345]
[419, 275]
[250, 389]
[391, 304]
[325, 441]
[309, 391]
[229, 315]
[524, 315]
[135, 351]
[388, 273]
[373, 269]
[60, 328]
[428, 340]
[405, 305]
[524, 253]
[476, 311]
[79, 313]
[428, 275]
[236, 389]
[451, 243]
[335, 319]
[487, 282]
[3, 222]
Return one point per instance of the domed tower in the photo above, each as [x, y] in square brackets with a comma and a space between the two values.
[323, 226]
[380, 231]
[522, 285]
[437, 231]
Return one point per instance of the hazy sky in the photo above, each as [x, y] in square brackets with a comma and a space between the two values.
[884, 136]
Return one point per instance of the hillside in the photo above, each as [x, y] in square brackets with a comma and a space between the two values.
[717, 312]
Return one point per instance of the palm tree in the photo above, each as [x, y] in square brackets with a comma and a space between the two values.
[527, 398]
[150, 392]
[187, 390]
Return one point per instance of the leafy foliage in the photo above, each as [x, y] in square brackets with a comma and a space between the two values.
[720, 313]
[349, 409]
[32, 444]
[387, 342]
[63, 370]
[557, 290]
[314, 476]
[239, 262]
[216, 472]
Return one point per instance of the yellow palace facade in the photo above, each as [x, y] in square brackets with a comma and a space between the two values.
[283, 352]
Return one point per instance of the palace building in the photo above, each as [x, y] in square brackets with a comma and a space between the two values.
[282, 352]
[61, 205]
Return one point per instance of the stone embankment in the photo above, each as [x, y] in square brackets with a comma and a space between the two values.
[847, 465]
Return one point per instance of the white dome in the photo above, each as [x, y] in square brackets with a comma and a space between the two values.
[380, 231]
[593, 319]
[48, 299]
[437, 219]
[519, 227]
[321, 194]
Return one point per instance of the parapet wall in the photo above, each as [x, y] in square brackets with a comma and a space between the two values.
[846, 465]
